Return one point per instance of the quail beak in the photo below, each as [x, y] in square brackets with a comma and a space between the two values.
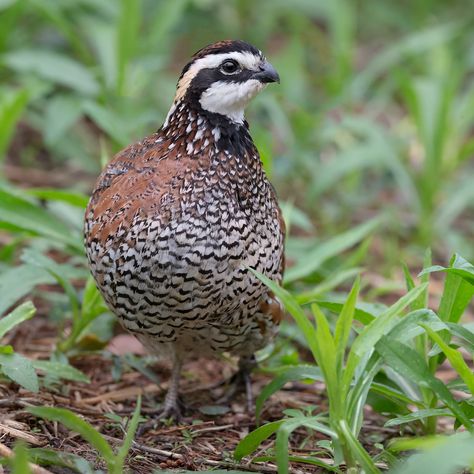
[266, 73]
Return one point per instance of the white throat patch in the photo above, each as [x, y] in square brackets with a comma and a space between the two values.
[230, 98]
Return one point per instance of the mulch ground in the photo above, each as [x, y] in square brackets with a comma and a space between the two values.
[200, 442]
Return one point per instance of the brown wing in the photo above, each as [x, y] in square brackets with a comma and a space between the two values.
[140, 181]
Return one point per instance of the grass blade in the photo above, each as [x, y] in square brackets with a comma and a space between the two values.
[329, 249]
[78, 425]
[127, 442]
[253, 440]
[455, 358]
[417, 415]
[344, 324]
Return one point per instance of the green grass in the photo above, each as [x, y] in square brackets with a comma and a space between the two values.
[368, 140]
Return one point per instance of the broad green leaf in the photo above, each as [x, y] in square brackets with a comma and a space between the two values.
[12, 106]
[464, 334]
[456, 296]
[109, 122]
[394, 394]
[19, 369]
[344, 324]
[371, 334]
[18, 315]
[418, 415]
[78, 425]
[327, 360]
[384, 322]
[409, 326]
[24, 215]
[410, 364]
[455, 358]
[299, 372]
[253, 440]
[63, 195]
[54, 67]
[60, 273]
[168, 14]
[458, 288]
[17, 282]
[45, 456]
[330, 248]
[328, 284]
[64, 371]
[31, 256]
[416, 43]
[62, 112]
[363, 312]
[127, 35]
[440, 455]
[410, 284]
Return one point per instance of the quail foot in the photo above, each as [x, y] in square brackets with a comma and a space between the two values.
[177, 219]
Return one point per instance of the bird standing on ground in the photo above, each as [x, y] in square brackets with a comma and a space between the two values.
[177, 219]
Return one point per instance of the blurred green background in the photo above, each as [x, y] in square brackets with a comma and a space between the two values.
[374, 114]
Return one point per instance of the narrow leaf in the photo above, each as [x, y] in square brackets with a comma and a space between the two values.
[344, 324]
[455, 358]
[417, 415]
[78, 425]
[253, 440]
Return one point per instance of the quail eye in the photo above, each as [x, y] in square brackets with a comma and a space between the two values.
[229, 67]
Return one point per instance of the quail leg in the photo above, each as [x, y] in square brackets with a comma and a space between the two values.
[240, 381]
[172, 405]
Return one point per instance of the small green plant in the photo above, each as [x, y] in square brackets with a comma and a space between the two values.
[389, 338]
[114, 460]
[413, 366]
[22, 370]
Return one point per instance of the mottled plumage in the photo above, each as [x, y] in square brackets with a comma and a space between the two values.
[176, 220]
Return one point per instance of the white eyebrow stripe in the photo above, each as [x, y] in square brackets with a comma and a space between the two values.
[246, 59]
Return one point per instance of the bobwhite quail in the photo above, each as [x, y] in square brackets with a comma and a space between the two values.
[177, 219]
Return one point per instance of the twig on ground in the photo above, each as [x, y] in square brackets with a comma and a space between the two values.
[14, 432]
[209, 462]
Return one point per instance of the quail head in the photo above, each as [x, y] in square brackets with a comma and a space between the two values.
[177, 219]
